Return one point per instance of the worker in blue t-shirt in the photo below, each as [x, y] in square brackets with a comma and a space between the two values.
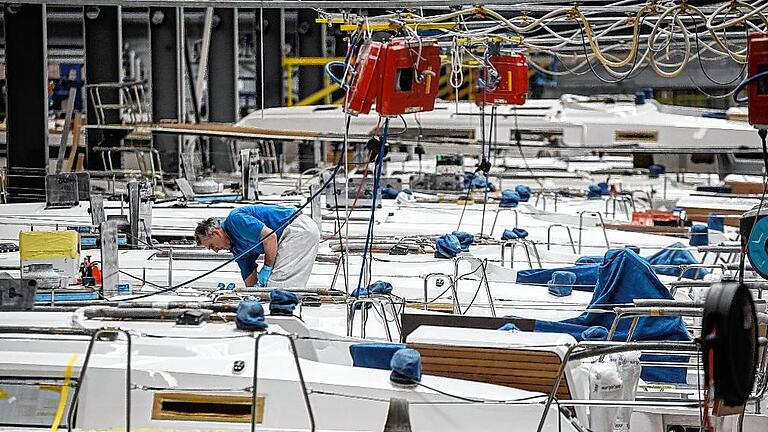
[289, 248]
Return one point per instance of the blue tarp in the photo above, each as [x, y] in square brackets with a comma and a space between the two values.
[623, 277]
[586, 276]
[676, 254]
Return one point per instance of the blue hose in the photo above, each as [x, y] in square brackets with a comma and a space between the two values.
[745, 83]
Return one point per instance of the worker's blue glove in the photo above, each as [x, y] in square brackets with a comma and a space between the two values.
[264, 274]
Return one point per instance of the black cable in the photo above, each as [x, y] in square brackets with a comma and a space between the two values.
[471, 302]
[369, 235]
[464, 208]
[701, 62]
[518, 142]
[589, 63]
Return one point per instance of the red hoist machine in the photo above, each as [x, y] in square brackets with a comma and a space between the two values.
[402, 77]
[757, 62]
[508, 85]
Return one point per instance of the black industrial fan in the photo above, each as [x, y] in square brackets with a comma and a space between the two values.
[729, 342]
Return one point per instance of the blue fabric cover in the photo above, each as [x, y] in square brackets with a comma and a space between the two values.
[472, 180]
[483, 184]
[250, 316]
[605, 189]
[509, 327]
[524, 192]
[378, 287]
[388, 193]
[514, 233]
[595, 333]
[598, 259]
[594, 192]
[716, 222]
[509, 199]
[244, 225]
[468, 176]
[447, 246]
[699, 235]
[407, 191]
[655, 170]
[623, 277]
[465, 239]
[589, 259]
[373, 355]
[282, 302]
[676, 254]
[586, 276]
[561, 284]
[406, 366]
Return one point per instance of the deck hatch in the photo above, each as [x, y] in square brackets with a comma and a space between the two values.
[205, 407]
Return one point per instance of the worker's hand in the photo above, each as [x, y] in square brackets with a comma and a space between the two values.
[264, 274]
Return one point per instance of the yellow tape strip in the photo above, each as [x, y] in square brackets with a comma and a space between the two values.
[64, 394]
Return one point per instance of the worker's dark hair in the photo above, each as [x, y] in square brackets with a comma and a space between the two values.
[205, 228]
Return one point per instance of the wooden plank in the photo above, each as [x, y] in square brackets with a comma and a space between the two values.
[702, 214]
[745, 188]
[499, 367]
[80, 162]
[524, 369]
[487, 353]
[668, 230]
[77, 122]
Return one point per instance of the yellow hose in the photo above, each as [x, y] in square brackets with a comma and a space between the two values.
[64, 394]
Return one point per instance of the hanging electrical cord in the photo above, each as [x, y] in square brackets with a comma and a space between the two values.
[622, 77]
[376, 179]
[518, 142]
[701, 62]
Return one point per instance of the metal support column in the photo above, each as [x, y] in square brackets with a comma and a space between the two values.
[26, 74]
[223, 98]
[166, 25]
[102, 31]
[272, 31]
[311, 44]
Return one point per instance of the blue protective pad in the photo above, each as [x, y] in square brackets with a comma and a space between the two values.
[406, 366]
[465, 239]
[250, 316]
[373, 355]
[447, 246]
[509, 199]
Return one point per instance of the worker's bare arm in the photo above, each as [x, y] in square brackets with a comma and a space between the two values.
[270, 246]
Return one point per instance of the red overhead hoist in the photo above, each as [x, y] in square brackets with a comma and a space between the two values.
[508, 85]
[757, 62]
[402, 77]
